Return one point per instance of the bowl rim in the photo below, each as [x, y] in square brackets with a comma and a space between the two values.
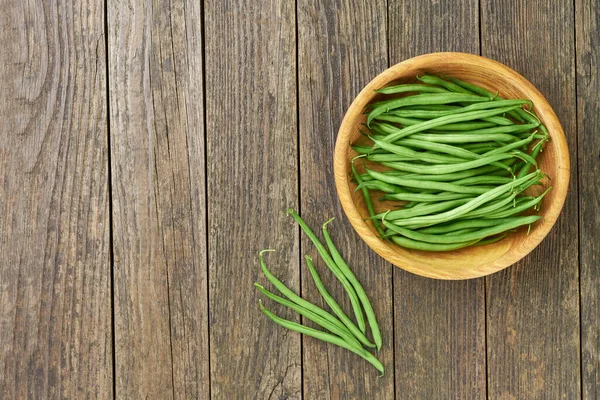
[344, 191]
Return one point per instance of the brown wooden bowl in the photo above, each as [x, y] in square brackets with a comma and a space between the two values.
[470, 262]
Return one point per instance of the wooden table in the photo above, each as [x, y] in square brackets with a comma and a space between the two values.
[149, 149]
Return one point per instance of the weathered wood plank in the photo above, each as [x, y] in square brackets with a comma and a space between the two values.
[587, 25]
[157, 140]
[341, 47]
[533, 306]
[439, 325]
[252, 179]
[55, 293]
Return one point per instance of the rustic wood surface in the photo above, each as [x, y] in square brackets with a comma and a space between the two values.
[533, 340]
[149, 150]
[587, 25]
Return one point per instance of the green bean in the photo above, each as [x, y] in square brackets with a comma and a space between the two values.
[423, 184]
[435, 80]
[335, 306]
[416, 245]
[448, 168]
[508, 147]
[519, 209]
[460, 232]
[293, 296]
[483, 180]
[333, 267]
[454, 176]
[436, 98]
[449, 119]
[424, 210]
[491, 240]
[479, 234]
[471, 205]
[381, 186]
[486, 93]
[360, 291]
[317, 319]
[430, 114]
[410, 88]
[497, 129]
[534, 153]
[463, 138]
[525, 157]
[461, 126]
[366, 150]
[423, 197]
[367, 197]
[326, 337]
[423, 156]
[491, 207]
[464, 224]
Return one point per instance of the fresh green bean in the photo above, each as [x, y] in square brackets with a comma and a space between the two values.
[317, 319]
[326, 337]
[423, 184]
[360, 291]
[479, 234]
[293, 296]
[449, 119]
[471, 205]
[435, 80]
[358, 333]
[423, 156]
[411, 88]
[333, 267]
[463, 137]
[460, 126]
[423, 197]
[464, 224]
[381, 186]
[436, 98]
[486, 93]
[483, 180]
[448, 168]
[367, 197]
[519, 209]
[491, 240]
[424, 210]
[497, 129]
[416, 245]
[430, 114]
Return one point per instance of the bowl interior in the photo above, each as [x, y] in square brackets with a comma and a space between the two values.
[474, 261]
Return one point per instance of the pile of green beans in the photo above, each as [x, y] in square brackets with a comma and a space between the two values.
[447, 164]
[341, 330]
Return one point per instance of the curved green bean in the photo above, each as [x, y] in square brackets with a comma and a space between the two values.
[317, 319]
[326, 337]
[360, 291]
[335, 306]
[293, 296]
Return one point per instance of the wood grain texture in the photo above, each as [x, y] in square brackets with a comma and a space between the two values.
[587, 25]
[341, 46]
[157, 140]
[252, 179]
[439, 326]
[55, 305]
[533, 306]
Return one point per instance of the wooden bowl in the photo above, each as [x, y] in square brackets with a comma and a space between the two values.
[473, 261]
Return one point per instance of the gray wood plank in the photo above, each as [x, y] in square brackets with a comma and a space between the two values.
[55, 293]
[157, 145]
[252, 179]
[587, 25]
[439, 325]
[341, 47]
[533, 306]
